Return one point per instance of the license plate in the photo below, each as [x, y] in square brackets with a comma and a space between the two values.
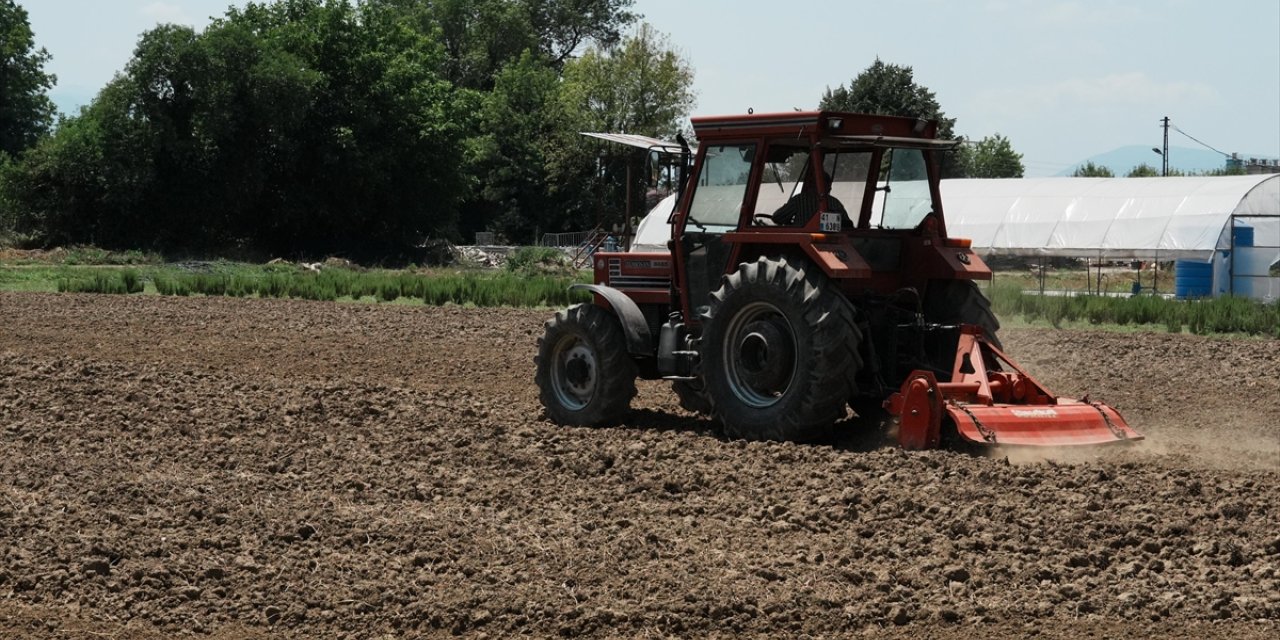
[830, 222]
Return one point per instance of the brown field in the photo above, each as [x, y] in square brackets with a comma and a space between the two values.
[254, 468]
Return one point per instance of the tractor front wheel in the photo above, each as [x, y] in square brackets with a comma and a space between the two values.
[779, 351]
[585, 375]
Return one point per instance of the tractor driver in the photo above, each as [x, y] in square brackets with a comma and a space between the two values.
[800, 208]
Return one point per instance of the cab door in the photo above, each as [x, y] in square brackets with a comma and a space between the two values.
[721, 195]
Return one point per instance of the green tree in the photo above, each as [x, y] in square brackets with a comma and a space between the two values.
[26, 112]
[532, 169]
[87, 183]
[374, 165]
[298, 127]
[891, 89]
[994, 157]
[1091, 170]
[480, 37]
[563, 26]
[506, 57]
[642, 86]
[1143, 170]
[520, 119]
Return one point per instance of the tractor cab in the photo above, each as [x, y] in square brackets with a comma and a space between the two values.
[856, 194]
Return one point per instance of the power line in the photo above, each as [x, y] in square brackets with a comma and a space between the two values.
[1175, 128]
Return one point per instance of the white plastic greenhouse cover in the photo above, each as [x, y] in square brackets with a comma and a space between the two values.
[653, 232]
[1120, 218]
[1147, 218]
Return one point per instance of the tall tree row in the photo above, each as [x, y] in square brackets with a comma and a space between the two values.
[314, 127]
[317, 127]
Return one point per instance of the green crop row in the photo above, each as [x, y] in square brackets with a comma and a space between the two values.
[103, 281]
[476, 289]
[1215, 315]
[1212, 315]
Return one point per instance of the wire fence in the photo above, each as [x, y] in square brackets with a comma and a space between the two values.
[571, 239]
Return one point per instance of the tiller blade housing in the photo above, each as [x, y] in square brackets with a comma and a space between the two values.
[992, 401]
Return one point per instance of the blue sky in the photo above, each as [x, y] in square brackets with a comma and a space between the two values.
[1063, 79]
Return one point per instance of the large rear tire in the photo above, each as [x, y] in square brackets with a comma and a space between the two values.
[961, 302]
[692, 396]
[779, 352]
[584, 374]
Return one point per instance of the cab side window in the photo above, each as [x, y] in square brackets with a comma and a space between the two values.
[721, 188]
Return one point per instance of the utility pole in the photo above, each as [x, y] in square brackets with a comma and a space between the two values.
[1164, 172]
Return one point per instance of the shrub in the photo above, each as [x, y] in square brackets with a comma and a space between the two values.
[539, 260]
[132, 281]
[241, 286]
[275, 285]
[171, 286]
[388, 290]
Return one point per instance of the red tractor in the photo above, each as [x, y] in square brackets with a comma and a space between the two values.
[809, 271]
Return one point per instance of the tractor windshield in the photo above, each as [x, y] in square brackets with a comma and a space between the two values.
[783, 179]
[787, 173]
[907, 199]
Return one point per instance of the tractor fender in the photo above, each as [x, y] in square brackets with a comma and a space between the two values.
[634, 326]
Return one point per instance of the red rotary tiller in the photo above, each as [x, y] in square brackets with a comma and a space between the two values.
[992, 401]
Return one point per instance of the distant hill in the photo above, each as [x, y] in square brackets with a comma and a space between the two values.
[1185, 159]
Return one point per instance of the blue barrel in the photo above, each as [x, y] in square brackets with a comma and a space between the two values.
[1242, 235]
[1192, 279]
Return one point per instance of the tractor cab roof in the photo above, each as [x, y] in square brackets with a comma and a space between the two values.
[832, 129]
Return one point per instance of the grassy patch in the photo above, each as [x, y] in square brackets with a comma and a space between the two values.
[31, 278]
[1214, 315]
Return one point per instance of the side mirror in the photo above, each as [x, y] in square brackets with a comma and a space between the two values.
[653, 169]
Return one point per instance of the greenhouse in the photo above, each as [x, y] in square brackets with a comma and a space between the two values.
[1222, 231]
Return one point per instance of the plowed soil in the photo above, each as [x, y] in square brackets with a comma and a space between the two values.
[253, 468]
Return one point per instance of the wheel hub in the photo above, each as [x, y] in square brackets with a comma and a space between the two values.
[578, 372]
[575, 374]
[767, 356]
[760, 354]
